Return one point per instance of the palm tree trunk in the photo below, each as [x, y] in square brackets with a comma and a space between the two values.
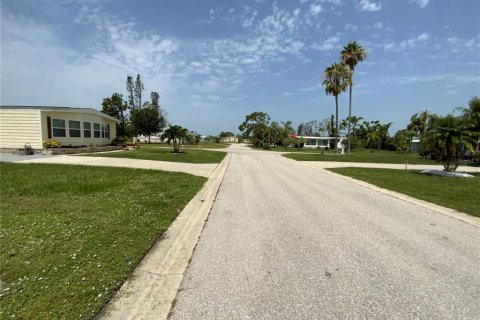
[349, 119]
[336, 124]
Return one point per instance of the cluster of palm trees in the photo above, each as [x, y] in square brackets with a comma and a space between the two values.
[339, 76]
[279, 133]
[449, 137]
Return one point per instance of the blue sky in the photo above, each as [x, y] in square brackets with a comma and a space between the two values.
[214, 62]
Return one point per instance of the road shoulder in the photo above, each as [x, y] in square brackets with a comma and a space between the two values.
[150, 291]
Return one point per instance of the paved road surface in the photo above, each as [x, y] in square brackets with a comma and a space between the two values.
[284, 241]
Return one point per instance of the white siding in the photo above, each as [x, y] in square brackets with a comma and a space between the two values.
[82, 117]
[18, 127]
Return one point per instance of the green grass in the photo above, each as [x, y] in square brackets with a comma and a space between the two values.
[363, 156]
[70, 235]
[461, 194]
[206, 145]
[153, 152]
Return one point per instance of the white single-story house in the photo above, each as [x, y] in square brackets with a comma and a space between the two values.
[318, 142]
[21, 125]
[229, 139]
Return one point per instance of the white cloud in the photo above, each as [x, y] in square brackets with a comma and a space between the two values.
[389, 46]
[309, 89]
[409, 43]
[423, 37]
[367, 5]
[457, 44]
[421, 3]
[328, 44]
[378, 25]
[351, 27]
[287, 93]
[315, 9]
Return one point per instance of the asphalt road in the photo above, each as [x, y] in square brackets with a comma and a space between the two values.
[284, 241]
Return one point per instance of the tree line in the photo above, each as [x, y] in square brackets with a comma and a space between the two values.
[136, 115]
[446, 138]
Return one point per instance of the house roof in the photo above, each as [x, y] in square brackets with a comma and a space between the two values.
[62, 109]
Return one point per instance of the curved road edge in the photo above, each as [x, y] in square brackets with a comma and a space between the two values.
[425, 204]
[152, 287]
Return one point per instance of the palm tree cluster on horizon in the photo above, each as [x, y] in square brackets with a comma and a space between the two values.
[338, 76]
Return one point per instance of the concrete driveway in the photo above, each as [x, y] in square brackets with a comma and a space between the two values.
[286, 241]
[199, 169]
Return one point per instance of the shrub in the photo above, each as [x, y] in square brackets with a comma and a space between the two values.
[50, 143]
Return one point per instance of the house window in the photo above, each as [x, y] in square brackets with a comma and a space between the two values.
[105, 131]
[96, 130]
[87, 130]
[58, 128]
[74, 129]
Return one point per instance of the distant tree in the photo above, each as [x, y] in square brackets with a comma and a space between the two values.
[301, 129]
[418, 124]
[175, 134]
[146, 120]
[137, 91]
[323, 127]
[336, 78]
[287, 128]
[129, 88]
[256, 125]
[383, 134]
[403, 140]
[226, 134]
[275, 133]
[116, 107]
[351, 54]
[162, 114]
[331, 126]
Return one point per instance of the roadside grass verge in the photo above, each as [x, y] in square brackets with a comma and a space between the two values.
[70, 235]
[461, 194]
[205, 145]
[149, 152]
[363, 156]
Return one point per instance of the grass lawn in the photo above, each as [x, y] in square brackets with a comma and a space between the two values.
[205, 145]
[70, 235]
[457, 193]
[155, 152]
[362, 156]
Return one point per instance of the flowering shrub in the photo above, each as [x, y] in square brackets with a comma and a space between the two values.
[50, 143]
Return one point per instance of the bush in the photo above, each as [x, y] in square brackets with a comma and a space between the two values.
[50, 143]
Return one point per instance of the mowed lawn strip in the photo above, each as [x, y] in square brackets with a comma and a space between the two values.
[70, 235]
[461, 194]
[365, 156]
[165, 154]
[205, 145]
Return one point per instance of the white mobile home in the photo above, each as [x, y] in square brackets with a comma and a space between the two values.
[320, 142]
[20, 125]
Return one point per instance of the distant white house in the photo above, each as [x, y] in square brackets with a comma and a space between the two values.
[318, 142]
[20, 125]
[230, 139]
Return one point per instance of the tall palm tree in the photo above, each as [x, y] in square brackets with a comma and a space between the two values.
[336, 78]
[175, 134]
[351, 54]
